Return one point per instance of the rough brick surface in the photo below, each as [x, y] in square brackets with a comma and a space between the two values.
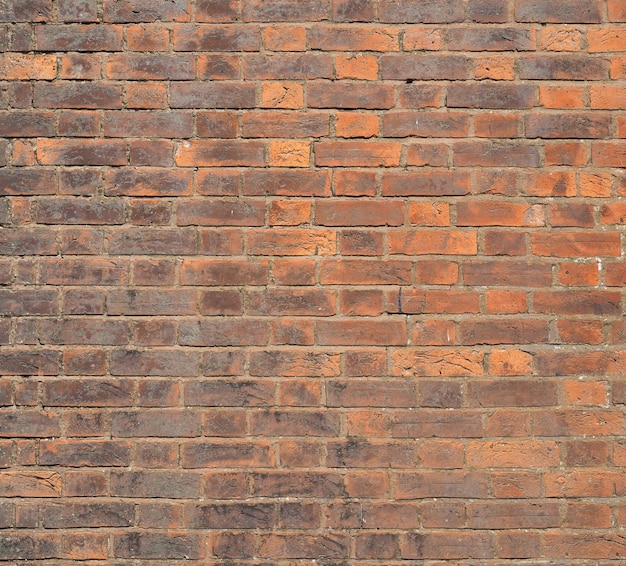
[304, 282]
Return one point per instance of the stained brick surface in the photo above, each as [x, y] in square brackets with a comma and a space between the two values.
[312, 282]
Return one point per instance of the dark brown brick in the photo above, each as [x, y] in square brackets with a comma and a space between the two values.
[576, 11]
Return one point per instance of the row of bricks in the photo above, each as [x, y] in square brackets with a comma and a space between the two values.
[319, 425]
[302, 154]
[429, 11]
[283, 548]
[307, 362]
[286, 515]
[164, 182]
[300, 212]
[328, 484]
[305, 332]
[251, 38]
[296, 242]
[316, 124]
[313, 65]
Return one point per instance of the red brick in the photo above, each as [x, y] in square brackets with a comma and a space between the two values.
[425, 124]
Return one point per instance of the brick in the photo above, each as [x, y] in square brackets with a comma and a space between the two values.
[423, 242]
[353, 10]
[231, 455]
[288, 66]
[357, 154]
[562, 67]
[223, 333]
[146, 182]
[571, 363]
[148, 241]
[424, 67]
[148, 124]
[560, 38]
[146, 11]
[477, 95]
[140, 66]
[221, 213]
[283, 124]
[419, 96]
[222, 94]
[575, 244]
[93, 37]
[284, 38]
[495, 154]
[293, 363]
[158, 546]
[154, 363]
[81, 152]
[68, 515]
[344, 95]
[425, 124]
[223, 272]
[220, 153]
[429, 183]
[608, 154]
[616, 11]
[429, 11]
[291, 241]
[513, 515]
[490, 39]
[31, 10]
[26, 124]
[577, 11]
[511, 273]
[356, 66]
[73, 94]
[216, 38]
[448, 363]
[512, 454]
[353, 38]
[440, 484]
[567, 126]
[234, 393]
[84, 453]
[434, 423]
[25, 67]
[27, 241]
[494, 213]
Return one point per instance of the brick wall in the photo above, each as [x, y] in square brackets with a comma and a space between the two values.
[312, 282]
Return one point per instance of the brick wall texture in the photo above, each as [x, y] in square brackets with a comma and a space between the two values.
[291, 282]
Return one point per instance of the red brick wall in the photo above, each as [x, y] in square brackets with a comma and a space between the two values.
[306, 282]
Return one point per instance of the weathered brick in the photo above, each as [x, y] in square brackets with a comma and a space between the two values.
[92, 37]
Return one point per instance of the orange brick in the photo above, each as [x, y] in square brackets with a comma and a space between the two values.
[561, 38]
[24, 67]
[289, 212]
[497, 67]
[357, 66]
[356, 125]
[282, 95]
[606, 39]
[284, 38]
[147, 38]
[608, 97]
[429, 214]
[578, 392]
[506, 302]
[595, 184]
[289, 153]
[562, 97]
[618, 67]
[510, 362]
[422, 39]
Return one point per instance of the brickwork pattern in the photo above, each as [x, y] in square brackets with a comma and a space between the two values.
[312, 282]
